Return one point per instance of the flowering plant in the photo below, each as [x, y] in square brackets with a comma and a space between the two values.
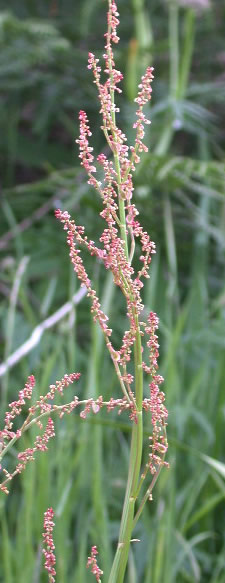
[122, 240]
[116, 251]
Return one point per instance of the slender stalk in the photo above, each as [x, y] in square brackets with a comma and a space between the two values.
[122, 213]
[147, 495]
[173, 25]
[187, 53]
[126, 526]
[179, 68]
[173, 46]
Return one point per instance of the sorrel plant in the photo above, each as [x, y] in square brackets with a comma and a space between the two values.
[122, 241]
[118, 246]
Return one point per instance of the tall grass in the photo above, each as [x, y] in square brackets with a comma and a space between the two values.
[84, 472]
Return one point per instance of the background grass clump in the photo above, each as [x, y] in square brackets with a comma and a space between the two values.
[180, 195]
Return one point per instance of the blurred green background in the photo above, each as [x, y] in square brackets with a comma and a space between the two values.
[179, 191]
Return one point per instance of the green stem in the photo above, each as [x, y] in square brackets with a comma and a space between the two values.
[126, 527]
[165, 140]
[121, 556]
[187, 53]
[179, 69]
[167, 135]
[146, 496]
[122, 214]
[173, 47]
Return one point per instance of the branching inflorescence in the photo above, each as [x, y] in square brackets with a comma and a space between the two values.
[37, 414]
[43, 408]
[116, 250]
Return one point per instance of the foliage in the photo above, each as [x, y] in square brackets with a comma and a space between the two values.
[180, 195]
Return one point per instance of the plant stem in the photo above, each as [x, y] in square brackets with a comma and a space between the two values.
[187, 54]
[126, 526]
[146, 496]
[173, 47]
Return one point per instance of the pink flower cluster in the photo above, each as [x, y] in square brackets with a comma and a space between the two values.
[86, 150]
[113, 256]
[43, 408]
[92, 562]
[36, 412]
[156, 402]
[42, 404]
[49, 549]
[144, 95]
[115, 137]
[15, 410]
[96, 405]
[113, 22]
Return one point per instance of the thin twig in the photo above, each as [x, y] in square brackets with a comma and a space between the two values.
[36, 335]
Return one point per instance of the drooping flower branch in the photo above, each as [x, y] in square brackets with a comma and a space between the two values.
[42, 409]
[36, 413]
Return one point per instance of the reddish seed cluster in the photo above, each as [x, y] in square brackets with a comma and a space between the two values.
[41, 408]
[92, 405]
[144, 95]
[92, 562]
[26, 456]
[41, 441]
[113, 257]
[74, 234]
[86, 155]
[15, 409]
[156, 402]
[49, 550]
[113, 76]
[115, 137]
[113, 22]
[59, 387]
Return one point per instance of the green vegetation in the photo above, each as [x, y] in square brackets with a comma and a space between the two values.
[180, 195]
